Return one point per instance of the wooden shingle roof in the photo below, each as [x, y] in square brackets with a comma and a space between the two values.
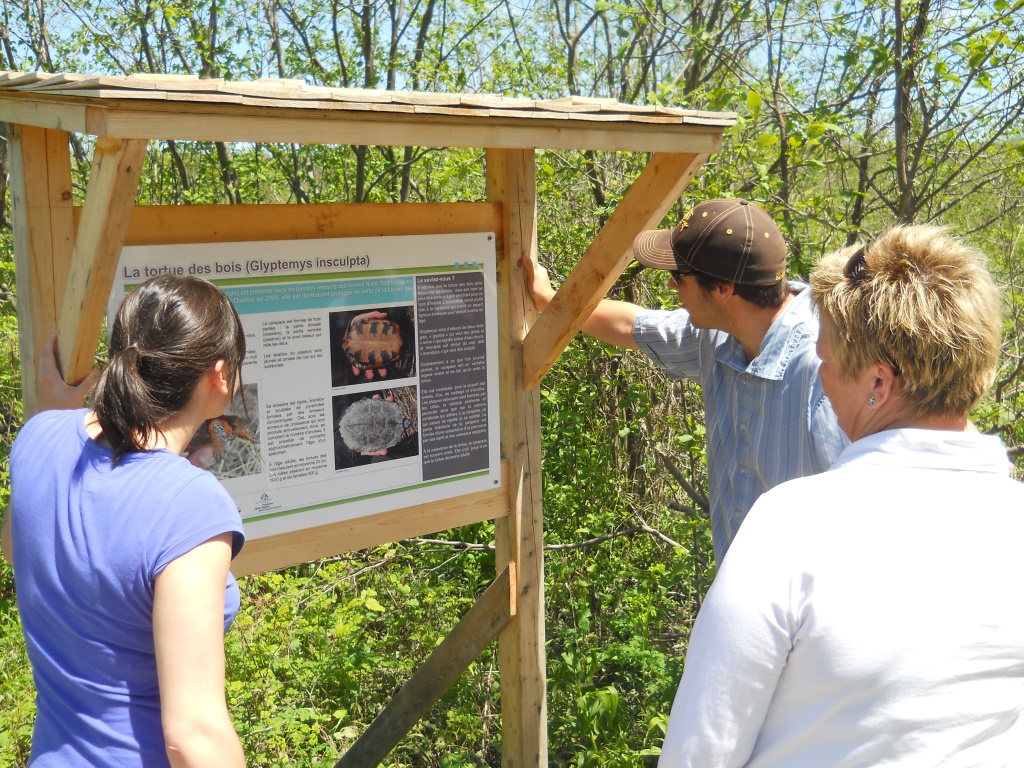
[189, 108]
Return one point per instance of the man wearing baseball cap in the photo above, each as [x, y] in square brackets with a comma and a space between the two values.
[746, 334]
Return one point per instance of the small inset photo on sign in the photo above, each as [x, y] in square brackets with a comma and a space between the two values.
[372, 344]
[371, 427]
[229, 445]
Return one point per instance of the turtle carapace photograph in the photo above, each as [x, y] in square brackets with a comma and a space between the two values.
[375, 426]
[372, 344]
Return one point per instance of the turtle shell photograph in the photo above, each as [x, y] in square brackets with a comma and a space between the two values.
[228, 446]
[375, 426]
[372, 344]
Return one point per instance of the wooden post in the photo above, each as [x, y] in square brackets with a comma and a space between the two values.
[113, 181]
[519, 538]
[43, 232]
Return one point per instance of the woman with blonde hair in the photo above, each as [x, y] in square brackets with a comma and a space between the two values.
[870, 615]
[121, 547]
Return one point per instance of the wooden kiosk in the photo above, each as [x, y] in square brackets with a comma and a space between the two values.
[66, 257]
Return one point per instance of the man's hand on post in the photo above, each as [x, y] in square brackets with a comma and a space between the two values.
[538, 282]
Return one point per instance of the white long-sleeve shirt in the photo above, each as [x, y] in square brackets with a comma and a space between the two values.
[871, 615]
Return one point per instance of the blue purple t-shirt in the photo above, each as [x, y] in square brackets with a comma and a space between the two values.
[89, 540]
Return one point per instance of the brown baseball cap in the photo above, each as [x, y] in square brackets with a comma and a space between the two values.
[733, 240]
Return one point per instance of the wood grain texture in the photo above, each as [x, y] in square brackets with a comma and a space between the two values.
[519, 538]
[165, 225]
[303, 546]
[70, 118]
[190, 87]
[315, 123]
[61, 202]
[113, 181]
[290, 111]
[40, 168]
[643, 207]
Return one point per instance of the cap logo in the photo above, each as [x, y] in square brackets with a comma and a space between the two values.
[779, 276]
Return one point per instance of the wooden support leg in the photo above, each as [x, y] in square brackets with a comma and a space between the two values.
[519, 538]
[43, 236]
[113, 181]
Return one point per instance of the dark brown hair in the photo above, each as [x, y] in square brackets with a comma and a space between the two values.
[764, 296]
[167, 334]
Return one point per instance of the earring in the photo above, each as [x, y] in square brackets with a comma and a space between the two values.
[871, 400]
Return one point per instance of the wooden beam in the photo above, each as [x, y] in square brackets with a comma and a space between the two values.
[62, 228]
[450, 659]
[42, 207]
[66, 118]
[643, 207]
[211, 122]
[303, 546]
[113, 181]
[167, 224]
[519, 538]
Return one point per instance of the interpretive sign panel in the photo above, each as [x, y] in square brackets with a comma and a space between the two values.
[371, 376]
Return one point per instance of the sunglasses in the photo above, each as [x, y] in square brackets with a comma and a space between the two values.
[854, 271]
[856, 266]
[678, 275]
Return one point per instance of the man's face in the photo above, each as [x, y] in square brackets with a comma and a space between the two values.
[704, 311]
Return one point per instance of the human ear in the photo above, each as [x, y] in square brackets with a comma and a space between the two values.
[883, 382]
[219, 378]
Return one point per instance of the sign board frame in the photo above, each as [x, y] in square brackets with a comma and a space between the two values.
[303, 400]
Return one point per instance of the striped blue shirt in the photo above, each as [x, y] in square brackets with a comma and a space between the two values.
[768, 420]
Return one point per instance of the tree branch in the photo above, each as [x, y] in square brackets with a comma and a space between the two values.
[699, 498]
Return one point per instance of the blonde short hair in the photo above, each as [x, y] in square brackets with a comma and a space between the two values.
[923, 303]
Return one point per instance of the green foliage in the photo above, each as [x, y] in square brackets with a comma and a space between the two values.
[17, 695]
[318, 650]
[618, 610]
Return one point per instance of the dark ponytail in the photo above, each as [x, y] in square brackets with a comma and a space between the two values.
[167, 334]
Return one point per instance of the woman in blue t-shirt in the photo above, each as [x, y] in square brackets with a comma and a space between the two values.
[121, 547]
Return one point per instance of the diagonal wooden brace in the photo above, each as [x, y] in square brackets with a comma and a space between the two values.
[113, 181]
[644, 206]
[481, 624]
